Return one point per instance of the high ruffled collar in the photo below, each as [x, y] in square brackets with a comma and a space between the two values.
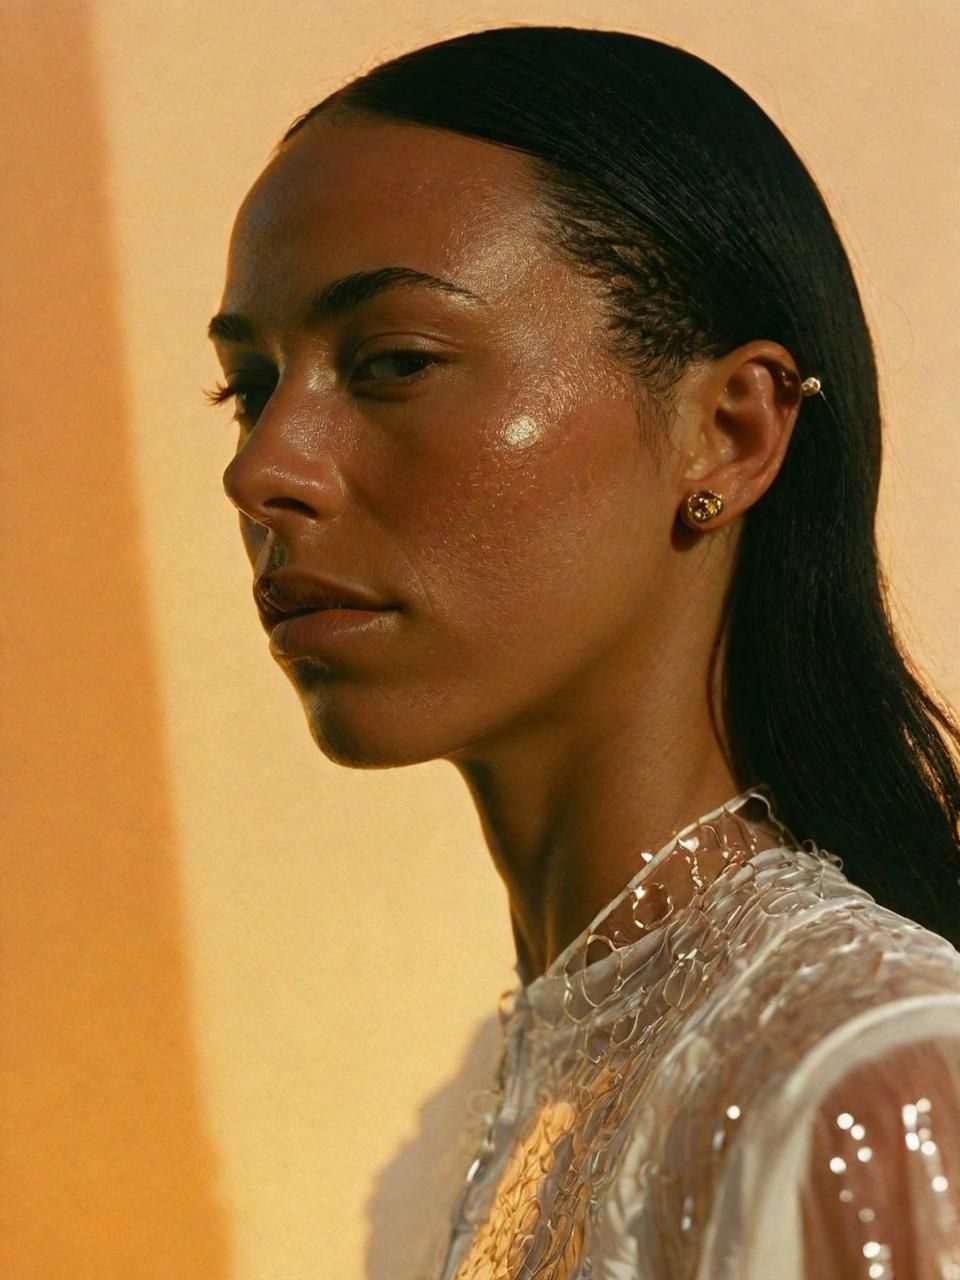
[631, 928]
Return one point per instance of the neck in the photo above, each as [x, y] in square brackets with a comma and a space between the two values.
[569, 799]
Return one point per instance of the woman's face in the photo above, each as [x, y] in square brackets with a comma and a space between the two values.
[499, 492]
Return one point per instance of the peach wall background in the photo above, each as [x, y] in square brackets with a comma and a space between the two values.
[245, 992]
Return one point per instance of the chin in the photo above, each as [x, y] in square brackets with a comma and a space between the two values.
[354, 751]
[368, 738]
[375, 722]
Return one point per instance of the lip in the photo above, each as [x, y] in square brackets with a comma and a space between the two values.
[301, 634]
[292, 591]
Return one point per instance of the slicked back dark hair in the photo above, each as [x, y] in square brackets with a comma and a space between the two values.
[669, 185]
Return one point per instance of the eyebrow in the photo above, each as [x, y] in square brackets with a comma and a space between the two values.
[337, 298]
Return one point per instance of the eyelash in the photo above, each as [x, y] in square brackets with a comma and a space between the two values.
[221, 392]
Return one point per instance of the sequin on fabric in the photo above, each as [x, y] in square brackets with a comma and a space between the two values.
[882, 1112]
[630, 1066]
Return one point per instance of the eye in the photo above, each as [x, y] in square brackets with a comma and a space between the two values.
[403, 356]
[246, 395]
[251, 397]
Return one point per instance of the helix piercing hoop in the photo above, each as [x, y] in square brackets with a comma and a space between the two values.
[809, 386]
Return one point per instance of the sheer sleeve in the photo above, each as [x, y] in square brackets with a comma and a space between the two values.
[849, 1165]
[880, 1194]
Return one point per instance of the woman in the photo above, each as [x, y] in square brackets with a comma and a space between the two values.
[551, 372]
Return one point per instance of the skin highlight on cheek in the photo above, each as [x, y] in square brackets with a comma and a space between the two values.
[521, 432]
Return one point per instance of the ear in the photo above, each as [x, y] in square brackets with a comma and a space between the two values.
[734, 426]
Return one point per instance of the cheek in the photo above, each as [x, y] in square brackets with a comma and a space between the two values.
[542, 544]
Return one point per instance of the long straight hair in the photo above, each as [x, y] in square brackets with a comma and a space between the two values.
[670, 186]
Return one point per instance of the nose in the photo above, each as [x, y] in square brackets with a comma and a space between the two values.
[285, 464]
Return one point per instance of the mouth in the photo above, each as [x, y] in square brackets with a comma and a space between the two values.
[310, 631]
[273, 616]
[292, 593]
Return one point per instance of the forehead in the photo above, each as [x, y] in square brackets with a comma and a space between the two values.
[341, 197]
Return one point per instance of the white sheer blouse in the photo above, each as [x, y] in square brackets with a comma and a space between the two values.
[757, 1078]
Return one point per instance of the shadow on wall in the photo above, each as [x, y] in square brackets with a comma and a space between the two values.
[106, 1169]
[411, 1204]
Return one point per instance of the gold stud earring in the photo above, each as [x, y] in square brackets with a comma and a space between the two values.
[703, 506]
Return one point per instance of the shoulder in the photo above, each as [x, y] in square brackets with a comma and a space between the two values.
[837, 969]
[849, 1155]
[841, 988]
[808, 1009]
